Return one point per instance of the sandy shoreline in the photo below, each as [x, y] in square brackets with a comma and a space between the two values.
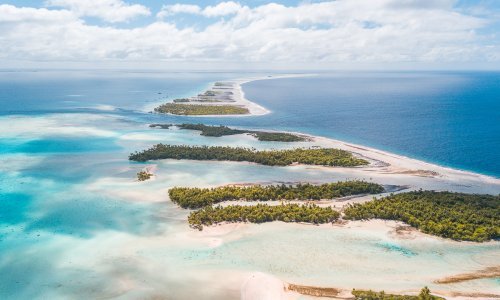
[238, 96]
[259, 285]
[384, 162]
[386, 168]
[254, 108]
[399, 164]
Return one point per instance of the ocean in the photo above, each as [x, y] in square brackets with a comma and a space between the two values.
[75, 223]
[451, 119]
[447, 118]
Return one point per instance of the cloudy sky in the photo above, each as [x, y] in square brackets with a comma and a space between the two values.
[252, 33]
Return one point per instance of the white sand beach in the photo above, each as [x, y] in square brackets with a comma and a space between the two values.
[236, 97]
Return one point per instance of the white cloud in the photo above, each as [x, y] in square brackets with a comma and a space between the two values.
[222, 9]
[219, 10]
[10, 13]
[170, 10]
[108, 10]
[325, 33]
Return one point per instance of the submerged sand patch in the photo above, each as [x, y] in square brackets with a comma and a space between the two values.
[314, 290]
[489, 272]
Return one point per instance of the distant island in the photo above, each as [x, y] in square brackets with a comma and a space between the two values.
[198, 109]
[223, 98]
[219, 92]
[317, 156]
[218, 131]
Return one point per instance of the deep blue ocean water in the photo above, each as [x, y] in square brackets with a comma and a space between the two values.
[451, 119]
[448, 118]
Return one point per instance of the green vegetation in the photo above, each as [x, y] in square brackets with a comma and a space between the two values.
[223, 84]
[181, 100]
[468, 217]
[143, 176]
[425, 294]
[277, 136]
[162, 126]
[325, 157]
[196, 109]
[209, 100]
[260, 213]
[196, 197]
[208, 94]
[218, 131]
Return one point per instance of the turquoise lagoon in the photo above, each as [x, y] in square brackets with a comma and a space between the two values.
[74, 223]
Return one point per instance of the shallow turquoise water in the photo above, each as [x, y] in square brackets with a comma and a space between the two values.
[74, 222]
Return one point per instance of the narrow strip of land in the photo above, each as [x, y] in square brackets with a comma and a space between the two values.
[490, 272]
[218, 131]
[196, 197]
[316, 156]
[260, 213]
[199, 109]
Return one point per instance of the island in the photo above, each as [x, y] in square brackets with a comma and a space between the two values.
[196, 197]
[221, 99]
[198, 109]
[458, 216]
[218, 131]
[308, 156]
[144, 175]
[260, 213]
[425, 294]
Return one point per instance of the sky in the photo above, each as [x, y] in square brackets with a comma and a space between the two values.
[253, 34]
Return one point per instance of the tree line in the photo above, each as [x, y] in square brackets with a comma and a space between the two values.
[198, 109]
[261, 213]
[316, 156]
[218, 131]
[458, 216]
[199, 197]
[425, 294]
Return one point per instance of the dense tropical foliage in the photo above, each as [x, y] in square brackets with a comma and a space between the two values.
[277, 136]
[196, 197]
[162, 126]
[425, 294]
[458, 216]
[260, 213]
[181, 100]
[198, 109]
[317, 156]
[143, 176]
[218, 131]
